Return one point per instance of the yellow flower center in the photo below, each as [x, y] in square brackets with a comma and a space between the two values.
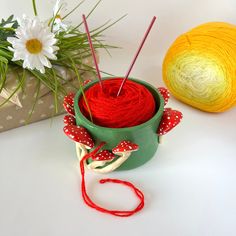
[34, 46]
[58, 17]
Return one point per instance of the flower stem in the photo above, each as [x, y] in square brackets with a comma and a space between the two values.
[34, 7]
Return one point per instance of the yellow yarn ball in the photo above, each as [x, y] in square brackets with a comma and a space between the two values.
[200, 67]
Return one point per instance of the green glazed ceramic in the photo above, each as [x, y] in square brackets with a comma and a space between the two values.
[145, 135]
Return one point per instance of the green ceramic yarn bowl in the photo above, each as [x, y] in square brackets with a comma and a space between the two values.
[145, 135]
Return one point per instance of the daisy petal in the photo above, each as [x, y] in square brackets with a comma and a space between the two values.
[45, 61]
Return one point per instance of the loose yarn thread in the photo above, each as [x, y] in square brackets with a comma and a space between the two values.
[135, 104]
[200, 67]
[91, 204]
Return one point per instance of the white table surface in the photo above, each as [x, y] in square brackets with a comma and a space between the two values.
[190, 183]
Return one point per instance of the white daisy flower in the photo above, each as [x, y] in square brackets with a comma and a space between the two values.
[58, 9]
[34, 43]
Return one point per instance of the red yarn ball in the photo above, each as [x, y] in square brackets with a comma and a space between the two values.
[134, 106]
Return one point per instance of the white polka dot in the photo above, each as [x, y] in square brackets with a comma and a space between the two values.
[9, 118]
[22, 121]
[51, 106]
[40, 102]
[24, 97]
[42, 86]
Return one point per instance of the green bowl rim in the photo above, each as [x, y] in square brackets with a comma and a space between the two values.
[147, 85]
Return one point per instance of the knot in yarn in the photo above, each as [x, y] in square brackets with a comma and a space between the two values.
[200, 67]
[134, 106]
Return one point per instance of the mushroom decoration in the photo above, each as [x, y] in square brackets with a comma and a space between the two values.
[82, 138]
[68, 103]
[69, 120]
[123, 150]
[100, 159]
[165, 94]
[87, 81]
[170, 119]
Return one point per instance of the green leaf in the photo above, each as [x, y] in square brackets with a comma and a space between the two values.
[75, 8]
[7, 28]
[10, 18]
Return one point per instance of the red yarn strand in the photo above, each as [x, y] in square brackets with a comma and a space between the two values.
[91, 204]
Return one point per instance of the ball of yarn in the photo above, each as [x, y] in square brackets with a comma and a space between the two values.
[200, 67]
[134, 106]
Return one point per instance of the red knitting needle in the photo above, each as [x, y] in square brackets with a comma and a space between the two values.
[92, 50]
[136, 55]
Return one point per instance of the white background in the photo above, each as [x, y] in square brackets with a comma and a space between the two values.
[189, 185]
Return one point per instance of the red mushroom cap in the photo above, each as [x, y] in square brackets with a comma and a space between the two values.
[165, 94]
[79, 135]
[104, 155]
[69, 120]
[170, 119]
[87, 81]
[68, 103]
[125, 146]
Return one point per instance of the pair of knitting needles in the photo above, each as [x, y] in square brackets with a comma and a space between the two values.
[133, 61]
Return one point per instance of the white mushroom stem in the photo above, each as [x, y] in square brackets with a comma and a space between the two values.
[96, 164]
[81, 151]
[160, 139]
[114, 165]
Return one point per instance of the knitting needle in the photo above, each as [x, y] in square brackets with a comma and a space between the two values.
[92, 50]
[136, 55]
